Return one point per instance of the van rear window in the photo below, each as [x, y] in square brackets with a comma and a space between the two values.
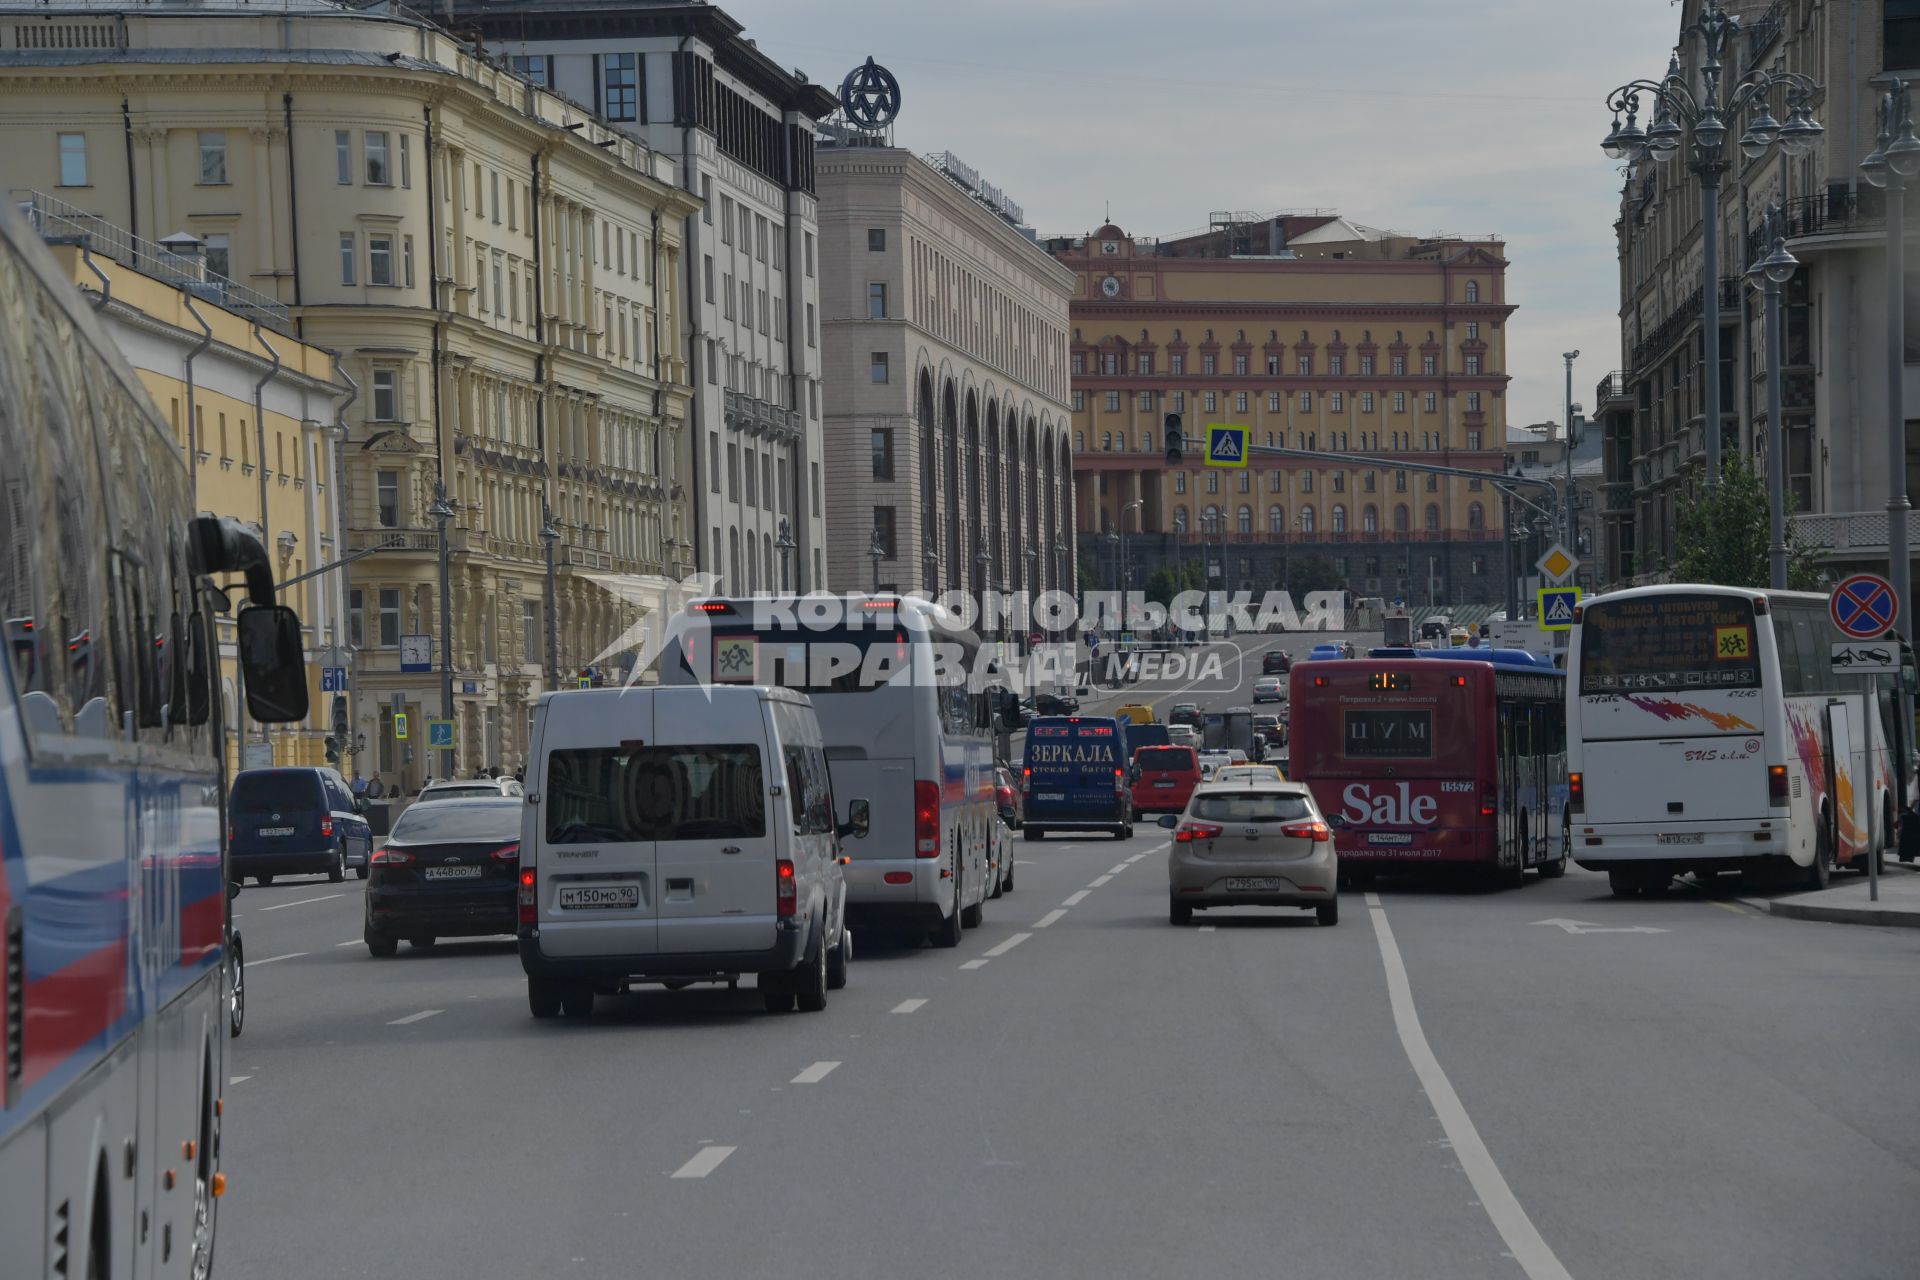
[280, 789]
[601, 794]
[1165, 758]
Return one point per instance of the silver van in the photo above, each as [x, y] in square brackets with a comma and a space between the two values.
[681, 835]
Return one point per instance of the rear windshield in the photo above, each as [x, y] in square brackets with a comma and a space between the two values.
[1684, 641]
[655, 793]
[1165, 758]
[264, 792]
[459, 793]
[466, 820]
[1253, 806]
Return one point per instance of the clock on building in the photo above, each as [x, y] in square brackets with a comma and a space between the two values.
[1111, 286]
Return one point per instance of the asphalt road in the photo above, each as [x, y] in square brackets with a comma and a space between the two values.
[1444, 1085]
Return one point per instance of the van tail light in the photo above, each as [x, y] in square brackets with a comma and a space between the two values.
[388, 856]
[1316, 831]
[326, 827]
[1119, 779]
[1577, 793]
[1489, 804]
[1191, 831]
[525, 896]
[230, 833]
[1777, 793]
[788, 891]
[508, 852]
[926, 819]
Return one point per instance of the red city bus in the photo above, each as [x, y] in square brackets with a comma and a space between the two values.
[1450, 761]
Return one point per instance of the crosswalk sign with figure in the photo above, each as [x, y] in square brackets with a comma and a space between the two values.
[1556, 607]
[1226, 445]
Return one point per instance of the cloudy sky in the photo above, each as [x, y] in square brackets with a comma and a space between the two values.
[1479, 117]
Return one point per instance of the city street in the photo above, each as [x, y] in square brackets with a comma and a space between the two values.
[1540, 1082]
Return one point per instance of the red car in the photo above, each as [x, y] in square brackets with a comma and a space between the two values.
[1164, 778]
[1007, 798]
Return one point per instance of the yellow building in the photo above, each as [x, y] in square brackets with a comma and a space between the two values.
[499, 271]
[255, 411]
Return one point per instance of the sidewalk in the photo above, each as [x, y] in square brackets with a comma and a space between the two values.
[1846, 902]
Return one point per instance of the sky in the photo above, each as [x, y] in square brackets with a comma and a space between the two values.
[1480, 117]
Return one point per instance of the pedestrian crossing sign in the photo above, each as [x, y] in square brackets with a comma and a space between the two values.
[1226, 445]
[1556, 607]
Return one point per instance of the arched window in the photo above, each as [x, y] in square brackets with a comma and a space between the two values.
[1433, 518]
[1079, 442]
[1370, 518]
[1106, 442]
[1146, 442]
[1276, 519]
[1246, 518]
[1402, 519]
[1476, 516]
[1339, 517]
[1179, 519]
[1210, 520]
[1306, 518]
[1473, 291]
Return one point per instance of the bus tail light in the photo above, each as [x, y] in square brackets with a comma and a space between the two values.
[1316, 831]
[1489, 804]
[526, 896]
[788, 899]
[1777, 787]
[926, 819]
[1576, 793]
[326, 828]
[1191, 831]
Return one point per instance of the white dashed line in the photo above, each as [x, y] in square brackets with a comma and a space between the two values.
[1008, 945]
[1136, 857]
[1116, 869]
[974, 964]
[815, 1074]
[291, 955]
[301, 902]
[1209, 928]
[1049, 918]
[908, 1006]
[350, 942]
[1075, 899]
[237, 1079]
[421, 1016]
[1098, 881]
[709, 1159]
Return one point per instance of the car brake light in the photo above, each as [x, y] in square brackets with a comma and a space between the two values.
[788, 891]
[326, 827]
[1777, 784]
[926, 819]
[1576, 793]
[526, 895]
[1191, 831]
[1316, 831]
[508, 852]
[391, 857]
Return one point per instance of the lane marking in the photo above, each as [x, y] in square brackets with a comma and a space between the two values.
[1136, 857]
[1116, 870]
[704, 1163]
[1098, 881]
[908, 1006]
[974, 964]
[301, 902]
[421, 1016]
[1075, 899]
[351, 942]
[815, 1074]
[238, 1079]
[1209, 928]
[291, 955]
[1735, 908]
[1008, 945]
[1523, 1240]
[1049, 918]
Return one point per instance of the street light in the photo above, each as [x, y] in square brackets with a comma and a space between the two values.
[876, 551]
[1767, 274]
[982, 567]
[550, 535]
[441, 512]
[1678, 107]
[1573, 534]
[1126, 559]
[784, 545]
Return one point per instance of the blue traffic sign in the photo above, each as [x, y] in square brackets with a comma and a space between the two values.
[1226, 445]
[1864, 606]
[333, 679]
[1557, 605]
[440, 734]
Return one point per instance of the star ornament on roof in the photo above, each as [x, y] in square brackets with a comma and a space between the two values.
[664, 616]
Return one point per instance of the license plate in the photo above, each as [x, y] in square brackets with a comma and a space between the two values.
[1252, 884]
[1167, 783]
[1053, 795]
[453, 873]
[1694, 837]
[276, 831]
[612, 897]
[1389, 837]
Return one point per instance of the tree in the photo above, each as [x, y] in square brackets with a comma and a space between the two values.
[1160, 586]
[1313, 573]
[1723, 535]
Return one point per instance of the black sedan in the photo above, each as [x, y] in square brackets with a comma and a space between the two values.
[448, 869]
[1277, 662]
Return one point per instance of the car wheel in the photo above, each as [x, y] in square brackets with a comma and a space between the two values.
[1032, 833]
[236, 986]
[1623, 884]
[576, 1001]
[837, 960]
[776, 992]
[810, 985]
[543, 997]
[381, 945]
[1179, 913]
[1558, 867]
[949, 931]
[338, 871]
[263, 880]
[361, 871]
[1328, 913]
[999, 884]
[1006, 885]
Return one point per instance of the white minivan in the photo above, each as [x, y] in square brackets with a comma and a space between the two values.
[681, 835]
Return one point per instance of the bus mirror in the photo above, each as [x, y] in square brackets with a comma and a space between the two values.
[1010, 713]
[273, 663]
[859, 818]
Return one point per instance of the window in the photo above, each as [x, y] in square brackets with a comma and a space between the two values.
[1306, 512]
[1398, 365]
[387, 501]
[1473, 291]
[883, 530]
[348, 253]
[1240, 364]
[1276, 519]
[1143, 363]
[706, 275]
[1212, 402]
[1473, 364]
[406, 261]
[1273, 366]
[809, 244]
[1306, 402]
[810, 341]
[1303, 364]
[746, 229]
[530, 640]
[1213, 482]
[357, 618]
[499, 299]
[1473, 439]
[1144, 402]
[389, 617]
[1177, 364]
[1179, 482]
[1306, 486]
[1432, 402]
[1473, 402]
[877, 369]
[726, 295]
[1239, 402]
[619, 79]
[876, 301]
[1273, 402]
[1113, 402]
[219, 253]
[1473, 331]
[876, 239]
[1079, 401]
[1366, 366]
[1244, 519]
[538, 68]
[1433, 518]
[1400, 484]
[746, 303]
[1079, 363]
[760, 237]
[1336, 365]
[378, 172]
[73, 159]
[386, 395]
[1339, 518]
[380, 261]
[213, 159]
[1207, 363]
[1399, 402]
[882, 453]
[1370, 519]
[1245, 481]
[1336, 401]
[1476, 516]
[1179, 402]
[1426, 366]
[733, 472]
[763, 312]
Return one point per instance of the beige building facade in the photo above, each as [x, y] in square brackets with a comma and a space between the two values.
[498, 272]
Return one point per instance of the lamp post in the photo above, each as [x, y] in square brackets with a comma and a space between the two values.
[783, 543]
[876, 551]
[1033, 591]
[441, 512]
[1573, 533]
[982, 571]
[550, 536]
[1679, 110]
[1126, 559]
[1767, 274]
[1060, 563]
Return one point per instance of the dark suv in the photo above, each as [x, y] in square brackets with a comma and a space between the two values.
[295, 821]
[1277, 663]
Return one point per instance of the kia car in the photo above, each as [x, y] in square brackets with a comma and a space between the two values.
[1254, 843]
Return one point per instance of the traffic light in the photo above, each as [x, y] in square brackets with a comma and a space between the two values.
[340, 725]
[333, 750]
[1176, 443]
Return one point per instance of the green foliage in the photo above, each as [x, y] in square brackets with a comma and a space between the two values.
[1313, 573]
[1723, 535]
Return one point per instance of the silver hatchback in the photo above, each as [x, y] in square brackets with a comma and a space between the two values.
[1251, 844]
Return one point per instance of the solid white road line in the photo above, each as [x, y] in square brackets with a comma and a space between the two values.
[237, 1079]
[815, 1074]
[421, 1016]
[301, 902]
[1523, 1241]
[1098, 881]
[351, 942]
[1116, 870]
[1008, 945]
[291, 955]
[908, 1006]
[708, 1159]
[1075, 899]
[974, 964]
[1049, 918]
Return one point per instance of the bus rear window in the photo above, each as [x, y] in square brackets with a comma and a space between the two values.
[1685, 641]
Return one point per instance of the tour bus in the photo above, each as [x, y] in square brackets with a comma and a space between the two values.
[1708, 732]
[113, 904]
[908, 721]
[1451, 761]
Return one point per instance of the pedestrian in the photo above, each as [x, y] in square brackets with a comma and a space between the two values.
[520, 774]
[376, 788]
[359, 786]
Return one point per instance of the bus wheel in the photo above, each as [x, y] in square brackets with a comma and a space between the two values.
[1817, 875]
[949, 931]
[1557, 867]
[1031, 832]
[1624, 884]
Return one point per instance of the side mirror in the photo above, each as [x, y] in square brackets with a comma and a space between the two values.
[233, 890]
[1337, 821]
[1169, 820]
[1135, 776]
[859, 819]
[359, 804]
[273, 664]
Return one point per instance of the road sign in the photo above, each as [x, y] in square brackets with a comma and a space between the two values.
[1556, 607]
[1226, 445]
[333, 679]
[1864, 658]
[440, 735]
[1558, 564]
[416, 653]
[1864, 606]
[334, 656]
[399, 726]
[256, 755]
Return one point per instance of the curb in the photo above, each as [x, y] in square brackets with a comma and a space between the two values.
[1896, 917]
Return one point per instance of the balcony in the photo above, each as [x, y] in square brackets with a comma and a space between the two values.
[1840, 219]
[760, 417]
[404, 540]
[1840, 532]
[1612, 392]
